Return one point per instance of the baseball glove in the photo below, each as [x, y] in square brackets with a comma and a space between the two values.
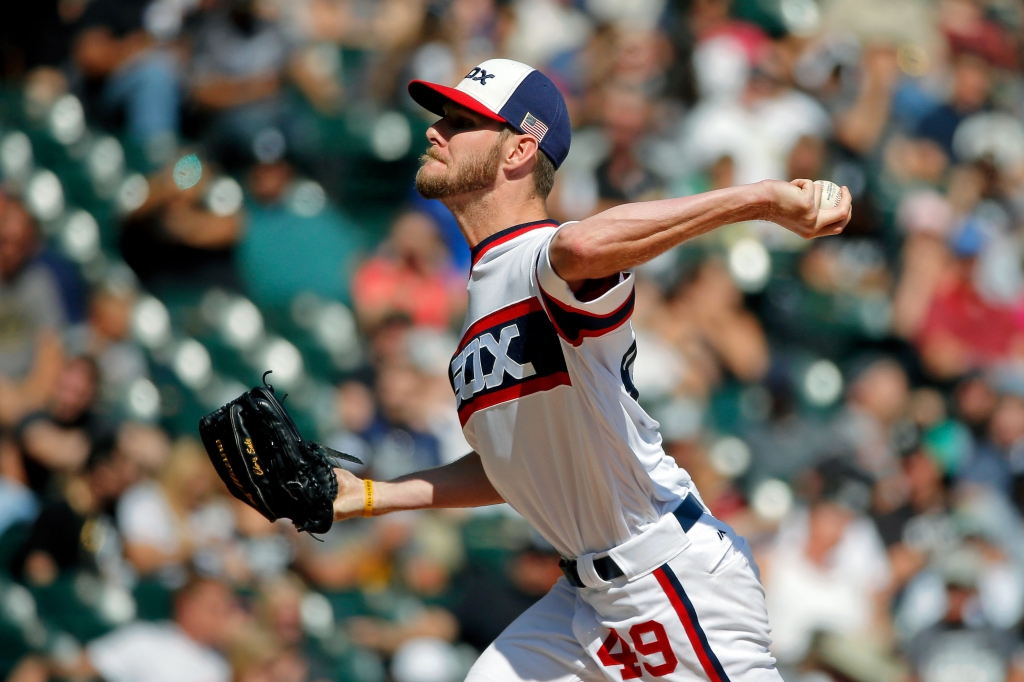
[261, 457]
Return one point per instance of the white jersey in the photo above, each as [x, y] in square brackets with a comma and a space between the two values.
[545, 396]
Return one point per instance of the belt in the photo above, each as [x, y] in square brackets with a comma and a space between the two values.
[687, 513]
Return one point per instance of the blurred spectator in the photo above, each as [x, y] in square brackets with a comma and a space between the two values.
[526, 577]
[961, 330]
[78, 532]
[294, 241]
[400, 435]
[127, 76]
[423, 567]
[962, 640]
[877, 398]
[411, 275]
[185, 235]
[622, 177]
[206, 618]
[168, 522]
[705, 328]
[827, 570]
[975, 401]
[259, 550]
[31, 317]
[927, 217]
[357, 558]
[758, 129]
[861, 123]
[239, 61]
[922, 528]
[55, 441]
[661, 368]
[448, 228]
[717, 488]
[119, 358]
[258, 657]
[990, 465]
[279, 609]
[972, 82]
[709, 315]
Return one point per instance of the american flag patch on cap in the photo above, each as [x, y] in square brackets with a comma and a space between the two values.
[531, 125]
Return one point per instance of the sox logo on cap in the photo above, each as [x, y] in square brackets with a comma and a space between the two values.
[478, 74]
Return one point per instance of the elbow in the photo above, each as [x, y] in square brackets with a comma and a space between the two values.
[573, 255]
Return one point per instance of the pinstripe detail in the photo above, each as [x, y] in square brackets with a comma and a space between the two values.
[688, 617]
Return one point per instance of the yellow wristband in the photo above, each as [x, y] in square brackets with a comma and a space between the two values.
[368, 505]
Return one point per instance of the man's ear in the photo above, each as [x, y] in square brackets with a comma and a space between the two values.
[522, 156]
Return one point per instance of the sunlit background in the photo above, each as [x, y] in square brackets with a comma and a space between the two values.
[196, 191]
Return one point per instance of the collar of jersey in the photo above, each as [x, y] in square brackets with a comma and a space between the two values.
[508, 234]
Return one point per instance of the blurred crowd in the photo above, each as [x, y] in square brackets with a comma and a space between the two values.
[195, 191]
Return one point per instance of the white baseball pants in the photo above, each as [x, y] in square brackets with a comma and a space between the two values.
[699, 615]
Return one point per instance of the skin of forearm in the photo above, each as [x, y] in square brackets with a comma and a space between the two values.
[626, 236]
[462, 483]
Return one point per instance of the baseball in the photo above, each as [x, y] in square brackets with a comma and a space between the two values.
[830, 194]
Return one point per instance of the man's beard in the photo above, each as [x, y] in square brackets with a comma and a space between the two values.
[475, 174]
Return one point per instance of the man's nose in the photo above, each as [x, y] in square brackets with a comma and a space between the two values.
[434, 136]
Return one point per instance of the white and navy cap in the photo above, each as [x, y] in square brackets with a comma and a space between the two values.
[510, 92]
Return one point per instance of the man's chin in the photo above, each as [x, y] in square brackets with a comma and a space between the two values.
[431, 191]
[432, 185]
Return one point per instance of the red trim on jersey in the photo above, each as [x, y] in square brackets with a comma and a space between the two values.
[525, 388]
[530, 305]
[507, 234]
[554, 322]
[578, 311]
[556, 308]
[590, 333]
[688, 617]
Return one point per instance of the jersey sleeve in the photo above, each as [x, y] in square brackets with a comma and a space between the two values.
[575, 319]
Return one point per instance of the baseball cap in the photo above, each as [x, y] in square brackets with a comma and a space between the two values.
[510, 92]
